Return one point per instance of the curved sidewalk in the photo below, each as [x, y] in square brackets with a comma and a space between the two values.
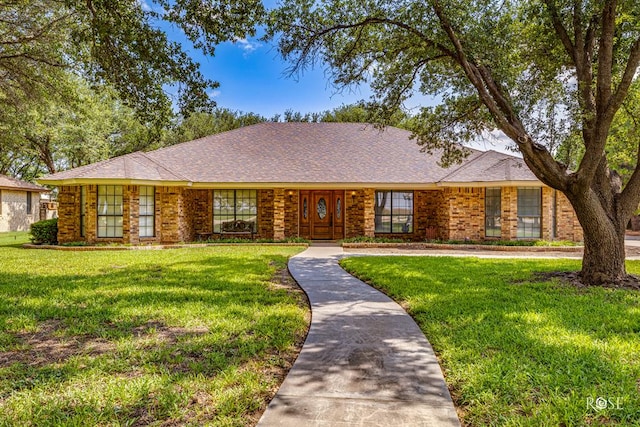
[364, 363]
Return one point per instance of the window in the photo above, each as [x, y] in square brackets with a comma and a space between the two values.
[29, 203]
[147, 211]
[394, 212]
[232, 205]
[529, 212]
[83, 210]
[492, 213]
[109, 211]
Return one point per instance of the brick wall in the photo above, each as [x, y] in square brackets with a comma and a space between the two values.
[69, 214]
[265, 214]
[567, 225]
[354, 213]
[466, 213]
[291, 208]
[181, 213]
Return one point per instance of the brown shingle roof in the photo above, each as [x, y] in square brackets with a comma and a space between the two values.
[491, 166]
[279, 153]
[9, 183]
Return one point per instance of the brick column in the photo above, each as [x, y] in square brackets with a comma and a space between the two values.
[369, 214]
[278, 213]
[131, 214]
[68, 214]
[546, 222]
[509, 202]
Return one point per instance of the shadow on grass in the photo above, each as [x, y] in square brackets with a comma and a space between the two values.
[190, 335]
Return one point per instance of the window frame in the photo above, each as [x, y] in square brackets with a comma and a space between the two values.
[29, 203]
[523, 231]
[149, 207]
[118, 229]
[253, 197]
[83, 210]
[496, 230]
[391, 215]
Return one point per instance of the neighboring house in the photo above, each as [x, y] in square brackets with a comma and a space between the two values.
[19, 204]
[314, 180]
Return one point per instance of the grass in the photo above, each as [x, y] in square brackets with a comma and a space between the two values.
[197, 336]
[516, 350]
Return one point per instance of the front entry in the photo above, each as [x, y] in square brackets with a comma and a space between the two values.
[322, 214]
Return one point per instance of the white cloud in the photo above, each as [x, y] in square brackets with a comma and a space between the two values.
[145, 5]
[213, 93]
[247, 46]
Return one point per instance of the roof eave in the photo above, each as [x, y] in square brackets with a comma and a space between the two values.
[503, 183]
[114, 181]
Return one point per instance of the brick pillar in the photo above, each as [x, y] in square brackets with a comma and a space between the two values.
[278, 213]
[91, 214]
[131, 214]
[369, 221]
[509, 201]
[68, 214]
[546, 222]
[291, 208]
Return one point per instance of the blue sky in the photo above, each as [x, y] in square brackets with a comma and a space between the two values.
[253, 78]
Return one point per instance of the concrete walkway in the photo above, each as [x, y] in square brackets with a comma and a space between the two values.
[364, 363]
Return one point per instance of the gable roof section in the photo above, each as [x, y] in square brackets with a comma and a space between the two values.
[277, 154]
[490, 166]
[9, 183]
[130, 167]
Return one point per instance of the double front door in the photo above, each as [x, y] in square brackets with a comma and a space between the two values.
[322, 214]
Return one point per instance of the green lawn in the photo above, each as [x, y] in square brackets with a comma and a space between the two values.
[196, 336]
[516, 350]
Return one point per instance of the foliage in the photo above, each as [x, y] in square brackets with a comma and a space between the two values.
[45, 232]
[517, 350]
[543, 243]
[183, 336]
[119, 43]
[366, 239]
[547, 74]
[198, 125]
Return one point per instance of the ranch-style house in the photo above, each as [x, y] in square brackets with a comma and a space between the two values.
[321, 181]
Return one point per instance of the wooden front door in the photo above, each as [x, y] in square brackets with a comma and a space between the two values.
[322, 214]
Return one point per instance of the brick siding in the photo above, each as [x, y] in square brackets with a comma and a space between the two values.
[183, 213]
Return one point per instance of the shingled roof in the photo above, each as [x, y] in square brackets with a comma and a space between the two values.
[312, 154]
[9, 183]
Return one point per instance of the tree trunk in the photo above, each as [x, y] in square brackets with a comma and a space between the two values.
[603, 262]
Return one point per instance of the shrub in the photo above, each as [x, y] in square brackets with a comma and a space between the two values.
[45, 232]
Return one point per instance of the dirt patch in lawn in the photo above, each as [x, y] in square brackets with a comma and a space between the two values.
[572, 278]
[45, 346]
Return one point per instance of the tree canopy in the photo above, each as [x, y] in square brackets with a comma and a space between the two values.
[548, 74]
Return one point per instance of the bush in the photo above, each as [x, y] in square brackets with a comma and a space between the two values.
[45, 232]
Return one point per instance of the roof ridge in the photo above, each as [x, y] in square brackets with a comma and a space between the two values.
[155, 162]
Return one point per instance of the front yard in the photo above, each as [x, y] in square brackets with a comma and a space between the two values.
[159, 337]
[516, 349]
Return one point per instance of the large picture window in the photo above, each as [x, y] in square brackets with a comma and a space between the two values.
[232, 205]
[147, 206]
[394, 212]
[492, 213]
[529, 212]
[109, 211]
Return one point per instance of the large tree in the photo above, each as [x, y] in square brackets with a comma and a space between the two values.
[120, 43]
[541, 72]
